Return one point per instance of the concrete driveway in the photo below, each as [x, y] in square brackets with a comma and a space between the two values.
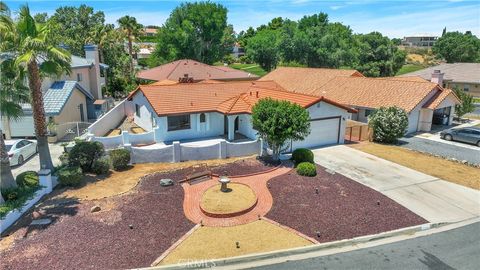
[33, 163]
[434, 199]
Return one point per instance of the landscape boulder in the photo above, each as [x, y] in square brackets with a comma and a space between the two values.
[166, 182]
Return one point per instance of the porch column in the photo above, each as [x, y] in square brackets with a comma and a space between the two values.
[231, 127]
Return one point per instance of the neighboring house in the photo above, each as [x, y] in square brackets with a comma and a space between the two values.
[75, 92]
[237, 50]
[465, 76]
[425, 102]
[144, 53]
[149, 32]
[423, 40]
[187, 70]
[189, 111]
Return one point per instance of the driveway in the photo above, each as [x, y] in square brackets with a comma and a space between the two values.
[433, 199]
[33, 163]
[455, 150]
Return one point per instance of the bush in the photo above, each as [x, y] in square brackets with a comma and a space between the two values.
[27, 179]
[10, 194]
[16, 198]
[302, 155]
[388, 124]
[63, 158]
[120, 159]
[101, 166]
[83, 154]
[70, 176]
[307, 169]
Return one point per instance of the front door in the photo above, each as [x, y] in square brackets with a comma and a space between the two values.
[82, 117]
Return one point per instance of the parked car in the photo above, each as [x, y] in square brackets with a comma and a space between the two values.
[467, 135]
[20, 150]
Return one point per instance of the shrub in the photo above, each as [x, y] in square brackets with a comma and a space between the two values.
[27, 179]
[70, 176]
[63, 158]
[120, 159]
[302, 155]
[15, 198]
[101, 166]
[307, 169]
[388, 124]
[83, 154]
[10, 194]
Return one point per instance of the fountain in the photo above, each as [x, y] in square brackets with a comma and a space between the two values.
[224, 181]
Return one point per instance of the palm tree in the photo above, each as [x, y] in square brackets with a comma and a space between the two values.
[37, 53]
[13, 92]
[132, 30]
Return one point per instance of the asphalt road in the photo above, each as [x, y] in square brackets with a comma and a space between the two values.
[441, 149]
[454, 249]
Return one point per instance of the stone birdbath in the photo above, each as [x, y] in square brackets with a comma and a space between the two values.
[224, 181]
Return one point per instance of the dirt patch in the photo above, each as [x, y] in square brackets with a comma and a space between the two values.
[98, 187]
[447, 170]
[130, 231]
[238, 198]
[244, 166]
[220, 242]
[335, 206]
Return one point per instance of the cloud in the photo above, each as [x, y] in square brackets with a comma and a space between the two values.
[336, 7]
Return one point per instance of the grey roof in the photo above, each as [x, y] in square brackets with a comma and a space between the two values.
[456, 72]
[55, 98]
[78, 61]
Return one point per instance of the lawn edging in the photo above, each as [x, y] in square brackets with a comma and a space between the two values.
[301, 250]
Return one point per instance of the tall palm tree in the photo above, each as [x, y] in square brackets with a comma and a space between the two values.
[13, 92]
[132, 30]
[38, 55]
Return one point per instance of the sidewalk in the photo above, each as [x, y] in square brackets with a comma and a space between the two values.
[434, 199]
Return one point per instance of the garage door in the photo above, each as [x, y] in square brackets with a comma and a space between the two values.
[22, 127]
[324, 131]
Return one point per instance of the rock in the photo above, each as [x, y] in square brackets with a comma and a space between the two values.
[42, 221]
[464, 161]
[166, 182]
[37, 214]
[453, 159]
[95, 208]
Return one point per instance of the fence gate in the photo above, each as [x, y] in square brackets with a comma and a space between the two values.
[69, 131]
[357, 131]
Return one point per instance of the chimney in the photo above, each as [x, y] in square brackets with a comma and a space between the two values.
[437, 77]
[91, 53]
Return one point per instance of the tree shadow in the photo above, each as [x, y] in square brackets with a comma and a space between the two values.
[433, 262]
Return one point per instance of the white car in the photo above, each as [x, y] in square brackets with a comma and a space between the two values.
[20, 150]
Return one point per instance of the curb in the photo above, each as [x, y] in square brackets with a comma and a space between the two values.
[249, 258]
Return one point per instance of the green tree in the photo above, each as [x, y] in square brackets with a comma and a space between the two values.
[458, 47]
[377, 56]
[31, 44]
[132, 31]
[467, 104]
[279, 122]
[41, 17]
[76, 25]
[263, 48]
[388, 124]
[195, 31]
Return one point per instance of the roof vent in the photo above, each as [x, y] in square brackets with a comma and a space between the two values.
[191, 103]
[257, 94]
[250, 93]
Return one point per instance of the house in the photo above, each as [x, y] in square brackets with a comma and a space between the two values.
[465, 76]
[237, 50]
[421, 40]
[192, 111]
[426, 102]
[149, 31]
[67, 98]
[187, 70]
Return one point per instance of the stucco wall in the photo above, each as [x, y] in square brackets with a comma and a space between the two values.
[152, 154]
[245, 126]
[191, 152]
[414, 115]
[144, 120]
[473, 88]
[214, 127]
[143, 138]
[71, 111]
[243, 148]
[110, 142]
[110, 120]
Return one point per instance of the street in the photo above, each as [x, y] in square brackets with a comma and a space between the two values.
[454, 249]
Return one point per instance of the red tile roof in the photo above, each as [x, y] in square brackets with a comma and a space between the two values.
[223, 97]
[198, 71]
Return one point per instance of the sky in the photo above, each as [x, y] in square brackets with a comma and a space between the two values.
[392, 18]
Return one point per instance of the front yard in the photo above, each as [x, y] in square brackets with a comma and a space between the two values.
[138, 220]
[444, 169]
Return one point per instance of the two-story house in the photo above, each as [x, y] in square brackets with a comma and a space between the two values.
[70, 98]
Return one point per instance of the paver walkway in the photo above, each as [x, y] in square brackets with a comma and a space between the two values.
[258, 183]
[433, 199]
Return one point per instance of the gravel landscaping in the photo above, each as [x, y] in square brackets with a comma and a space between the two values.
[342, 208]
[244, 166]
[129, 231]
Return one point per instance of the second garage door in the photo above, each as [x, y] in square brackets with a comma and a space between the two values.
[323, 131]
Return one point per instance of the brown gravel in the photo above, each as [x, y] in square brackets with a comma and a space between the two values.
[242, 167]
[343, 208]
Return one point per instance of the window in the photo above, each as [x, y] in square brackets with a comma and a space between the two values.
[79, 77]
[466, 87]
[202, 118]
[178, 122]
[368, 112]
[137, 110]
